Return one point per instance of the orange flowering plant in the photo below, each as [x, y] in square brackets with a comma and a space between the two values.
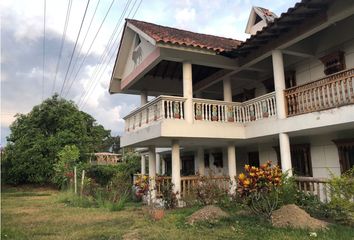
[260, 187]
[142, 185]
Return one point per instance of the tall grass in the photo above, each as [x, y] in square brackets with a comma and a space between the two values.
[98, 201]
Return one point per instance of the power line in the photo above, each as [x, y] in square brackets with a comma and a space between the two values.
[43, 63]
[115, 50]
[68, 10]
[73, 52]
[88, 51]
[81, 46]
[108, 46]
[83, 103]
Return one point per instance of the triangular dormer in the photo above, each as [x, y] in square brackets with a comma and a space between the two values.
[259, 18]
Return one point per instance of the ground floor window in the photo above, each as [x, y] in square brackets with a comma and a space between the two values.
[300, 159]
[346, 153]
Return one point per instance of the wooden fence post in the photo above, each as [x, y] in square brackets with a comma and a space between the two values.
[75, 181]
[82, 182]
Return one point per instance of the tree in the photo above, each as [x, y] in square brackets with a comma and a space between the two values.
[111, 144]
[37, 137]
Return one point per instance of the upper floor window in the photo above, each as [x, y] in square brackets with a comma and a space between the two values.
[333, 62]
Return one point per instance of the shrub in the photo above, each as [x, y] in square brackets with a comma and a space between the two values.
[207, 191]
[342, 197]
[259, 187]
[169, 198]
[63, 168]
[102, 174]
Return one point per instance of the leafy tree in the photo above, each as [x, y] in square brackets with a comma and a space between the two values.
[37, 137]
[67, 158]
[111, 144]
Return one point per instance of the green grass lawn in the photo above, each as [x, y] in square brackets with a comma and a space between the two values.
[35, 213]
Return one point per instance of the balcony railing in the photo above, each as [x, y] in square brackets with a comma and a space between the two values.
[220, 111]
[314, 186]
[162, 107]
[332, 91]
[169, 107]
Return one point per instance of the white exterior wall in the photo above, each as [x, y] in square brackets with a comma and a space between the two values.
[312, 69]
[324, 157]
[146, 49]
[267, 153]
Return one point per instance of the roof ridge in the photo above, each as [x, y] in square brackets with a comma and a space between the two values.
[179, 29]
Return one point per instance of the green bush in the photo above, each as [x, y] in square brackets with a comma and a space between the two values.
[342, 197]
[63, 168]
[169, 197]
[102, 174]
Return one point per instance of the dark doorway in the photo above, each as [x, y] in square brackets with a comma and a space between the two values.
[253, 159]
[187, 165]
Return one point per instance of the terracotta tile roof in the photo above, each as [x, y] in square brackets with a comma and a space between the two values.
[307, 8]
[162, 34]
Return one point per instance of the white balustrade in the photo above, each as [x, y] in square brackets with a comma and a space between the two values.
[169, 107]
[162, 107]
[221, 111]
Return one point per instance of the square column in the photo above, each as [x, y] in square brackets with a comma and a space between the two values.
[188, 91]
[143, 98]
[158, 164]
[176, 168]
[279, 82]
[143, 164]
[227, 89]
[231, 158]
[200, 161]
[285, 154]
[152, 171]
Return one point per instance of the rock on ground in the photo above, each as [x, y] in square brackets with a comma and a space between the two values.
[208, 213]
[293, 216]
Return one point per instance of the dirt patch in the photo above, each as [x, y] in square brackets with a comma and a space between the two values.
[294, 217]
[209, 213]
[133, 235]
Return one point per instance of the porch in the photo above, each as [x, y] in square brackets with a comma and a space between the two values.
[313, 186]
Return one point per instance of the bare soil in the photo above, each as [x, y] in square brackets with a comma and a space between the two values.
[294, 217]
[209, 213]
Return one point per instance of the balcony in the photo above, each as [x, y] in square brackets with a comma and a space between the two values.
[204, 110]
[330, 92]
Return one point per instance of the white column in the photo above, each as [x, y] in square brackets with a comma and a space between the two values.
[152, 170]
[285, 153]
[188, 91]
[200, 157]
[158, 164]
[143, 98]
[227, 89]
[231, 158]
[176, 174]
[279, 82]
[143, 164]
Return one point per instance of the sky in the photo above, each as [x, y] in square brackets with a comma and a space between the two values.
[85, 79]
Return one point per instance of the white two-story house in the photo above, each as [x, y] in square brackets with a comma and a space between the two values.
[286, 94]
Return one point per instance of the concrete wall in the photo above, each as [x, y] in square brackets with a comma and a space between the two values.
[324, 154]
[312, 69]
[145, 49]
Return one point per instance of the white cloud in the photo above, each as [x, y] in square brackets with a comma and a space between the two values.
[185, 16]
